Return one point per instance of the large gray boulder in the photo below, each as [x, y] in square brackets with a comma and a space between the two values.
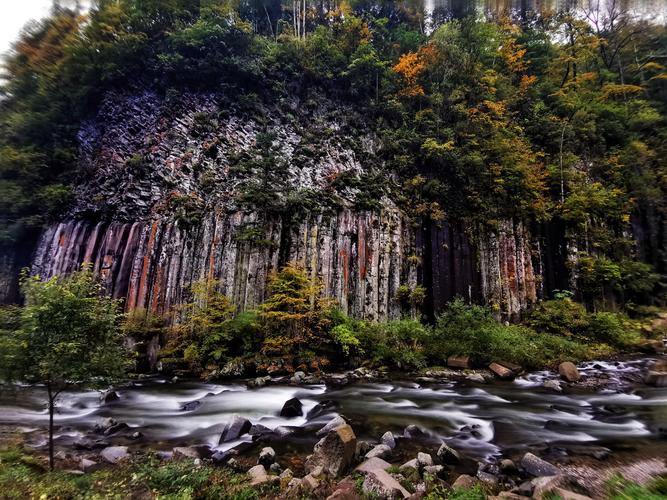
[334, 452]
[535, 466]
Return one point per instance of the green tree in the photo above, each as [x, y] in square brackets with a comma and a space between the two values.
[67, 336]
[203, 332]
[295, 315]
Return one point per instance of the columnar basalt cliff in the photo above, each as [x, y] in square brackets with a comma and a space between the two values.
[162, 207]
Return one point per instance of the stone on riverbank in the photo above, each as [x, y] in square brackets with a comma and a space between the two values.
[334, 452]
[568, 371]
[535, 466]
[380, 451]
[266, 456]
[114, 454]
[88, 465]
[465, 482]
[258, 475]
[336, 422]
[448, 455]
[460, 362]
[388, 440]
[371, 464]
[380, 483]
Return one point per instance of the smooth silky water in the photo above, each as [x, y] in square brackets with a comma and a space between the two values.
[480, 420]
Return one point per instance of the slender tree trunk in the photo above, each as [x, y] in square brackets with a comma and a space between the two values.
[51, 410]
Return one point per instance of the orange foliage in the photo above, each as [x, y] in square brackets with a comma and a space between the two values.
[411, 66]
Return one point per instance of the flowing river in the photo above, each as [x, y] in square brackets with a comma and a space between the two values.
[480, 420]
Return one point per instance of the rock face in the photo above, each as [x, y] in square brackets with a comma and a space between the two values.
[145, 154]
[334, 452]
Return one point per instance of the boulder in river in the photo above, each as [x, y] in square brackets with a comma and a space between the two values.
[380, 483]
[237, 427]
[292, 408]
[535, 466]
[448, 455]
[501, 372]
[334, 452]
[412, 431]
[191, 405]
[114, 454]
[109, 396]
[459, 362]
[568, 371]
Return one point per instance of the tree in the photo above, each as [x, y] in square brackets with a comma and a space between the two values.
[294, 315]
[203, 333]
[66, 336]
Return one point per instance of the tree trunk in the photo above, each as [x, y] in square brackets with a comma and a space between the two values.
[51, 409]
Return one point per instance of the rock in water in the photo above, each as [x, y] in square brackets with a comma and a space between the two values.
[568, 371]
[535, 466]
[292, 408]
[334, 452]
[501, 372]
[380, 483]
[234, 429]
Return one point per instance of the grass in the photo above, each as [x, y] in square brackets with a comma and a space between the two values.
[620, 488]
[24, 475]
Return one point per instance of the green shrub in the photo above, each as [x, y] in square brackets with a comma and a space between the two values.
[398, 343]
[471, 330]
[561, 316]
[612, 328]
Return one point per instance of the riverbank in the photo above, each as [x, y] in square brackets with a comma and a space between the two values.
[608, 421]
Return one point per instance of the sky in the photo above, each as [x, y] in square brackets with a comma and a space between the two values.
[14, 14]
